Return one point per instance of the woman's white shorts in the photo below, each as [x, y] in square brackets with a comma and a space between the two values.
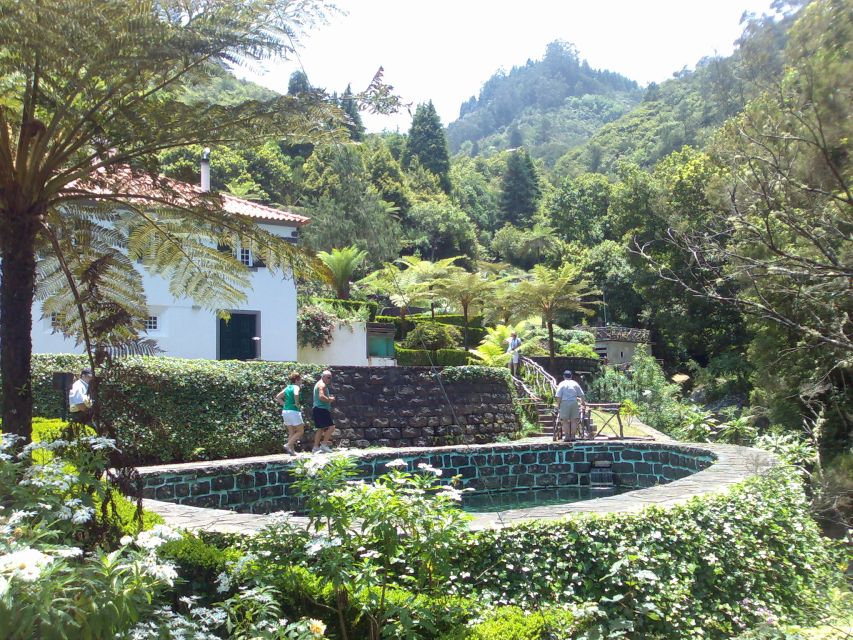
[292, 418]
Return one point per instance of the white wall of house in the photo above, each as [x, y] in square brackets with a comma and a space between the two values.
[616, 351]
[347, 348]
[188, 331]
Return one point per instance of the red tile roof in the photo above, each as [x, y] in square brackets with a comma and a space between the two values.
[123, 183]
[242, 207]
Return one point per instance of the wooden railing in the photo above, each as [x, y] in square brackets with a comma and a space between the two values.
[542, 383]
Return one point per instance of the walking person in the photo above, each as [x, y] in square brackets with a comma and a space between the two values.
[322, 414]
[79, 402]
[514, 351]
[291, 415]
[569, 397]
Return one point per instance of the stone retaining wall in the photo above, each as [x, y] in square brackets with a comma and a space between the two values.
[408, 407]
[263, 485]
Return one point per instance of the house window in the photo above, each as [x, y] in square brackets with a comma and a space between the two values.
[245, 256]
[152, 323]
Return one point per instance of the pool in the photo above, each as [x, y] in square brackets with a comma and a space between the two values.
[500, 476]
[488, 502]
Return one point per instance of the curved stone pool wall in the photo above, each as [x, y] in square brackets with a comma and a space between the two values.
[263, 485]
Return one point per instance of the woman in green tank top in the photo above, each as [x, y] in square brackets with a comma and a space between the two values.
[288, 397]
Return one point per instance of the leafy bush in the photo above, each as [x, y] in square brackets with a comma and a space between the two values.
[314, 327]
[578, 350]
[451, 357]
[414, 357]
[675, 573]
[455, 319]
[433, 336]
[199, 563]
[512, 623]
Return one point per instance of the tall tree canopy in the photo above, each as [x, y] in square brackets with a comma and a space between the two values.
[428, 144]
[520, 189]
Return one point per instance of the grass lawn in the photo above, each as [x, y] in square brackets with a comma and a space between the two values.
[599, 418]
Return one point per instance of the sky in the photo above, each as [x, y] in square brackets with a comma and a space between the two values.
[444, 50]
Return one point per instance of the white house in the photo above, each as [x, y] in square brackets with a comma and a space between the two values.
[265, 328]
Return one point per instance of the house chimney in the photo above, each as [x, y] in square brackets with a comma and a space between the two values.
[205, 169]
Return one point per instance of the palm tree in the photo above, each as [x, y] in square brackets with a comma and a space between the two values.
[551, 291]
[465, 290]
[428, 273]
[342, 263]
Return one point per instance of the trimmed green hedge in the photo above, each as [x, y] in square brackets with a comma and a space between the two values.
[456, 319]
[704, 569]
[401, 327]
[425, 358]
[175, 410]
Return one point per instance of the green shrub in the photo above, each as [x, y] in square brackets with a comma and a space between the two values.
[578, 350]
[696, 570]
[433, 336]
[512, 623]
[455, 319]
[451, 357]
[414, 357]
[199, 563]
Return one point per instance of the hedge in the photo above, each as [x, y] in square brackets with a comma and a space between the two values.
[476, 332]
[706, 569]
[425, 358]
[175, 410]
[456, 319]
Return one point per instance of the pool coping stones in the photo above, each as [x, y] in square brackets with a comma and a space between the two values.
[732, 465]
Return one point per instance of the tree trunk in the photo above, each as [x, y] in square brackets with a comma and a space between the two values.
[551, 345]
[17, 288]
[465, 320]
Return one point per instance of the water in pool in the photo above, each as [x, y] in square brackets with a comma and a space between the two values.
[527, 498]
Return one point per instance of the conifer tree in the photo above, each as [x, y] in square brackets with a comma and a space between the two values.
[520, 190]
[354, 123]
[428, 144]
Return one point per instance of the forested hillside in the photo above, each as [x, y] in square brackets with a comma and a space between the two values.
[688, 108]
[549, 105]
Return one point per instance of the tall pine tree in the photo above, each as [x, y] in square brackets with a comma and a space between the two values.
[349, 107]
[520, 190]
[428, 143]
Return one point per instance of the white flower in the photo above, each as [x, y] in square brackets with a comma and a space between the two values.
[69, 552]
[83, 514]
[17, 516]
[223, 582]
[399, 463]
[165, 572]
[423, 466]
[25, 564]
[125, 540]
[647, 393]
[316, 627]
[451, 493]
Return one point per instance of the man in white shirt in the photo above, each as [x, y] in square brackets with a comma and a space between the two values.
[78, 398]
[567, 398]
[514, 351]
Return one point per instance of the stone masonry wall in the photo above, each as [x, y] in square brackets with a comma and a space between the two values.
[262, 486]
[408, 407]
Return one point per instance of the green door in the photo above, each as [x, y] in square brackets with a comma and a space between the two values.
[236, 337]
